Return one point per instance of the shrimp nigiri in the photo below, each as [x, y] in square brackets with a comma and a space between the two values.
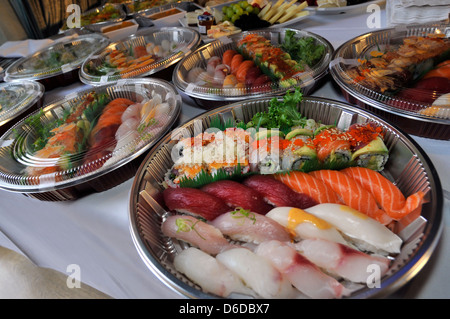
[387, 195]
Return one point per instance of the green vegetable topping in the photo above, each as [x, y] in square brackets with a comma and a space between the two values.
[244, 213]
[302, 49]
[186, 225]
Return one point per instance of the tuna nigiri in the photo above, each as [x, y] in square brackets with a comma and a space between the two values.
[250, 227]
[304, 225]
[235, 194]
[304, 183]
[365, 232]
[302, 273]
[387, 195]
[353, 194]
[341, 260]
[257, 272]
[195, 232]
[277, 193]
[208, 273]
[194, 202]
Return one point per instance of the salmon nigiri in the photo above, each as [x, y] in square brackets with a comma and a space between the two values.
[303, 183]
[387, 195]
[353, 194]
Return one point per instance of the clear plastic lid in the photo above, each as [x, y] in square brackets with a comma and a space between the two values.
[254, 63]
[86, 135]
[58, 58]
[139, 55]
[403, 70]
[18, 96]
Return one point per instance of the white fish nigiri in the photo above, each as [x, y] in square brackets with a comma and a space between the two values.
[195, 232]
[257, 273]
[365, 232]
[305, 225]
[208, 273]
[302, 273]
[343, 261]
[247, 226]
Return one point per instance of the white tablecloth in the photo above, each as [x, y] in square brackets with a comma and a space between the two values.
[93, 232]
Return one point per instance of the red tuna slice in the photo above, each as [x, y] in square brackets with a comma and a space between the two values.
[235, 195]
[277, 193]
[194, 202]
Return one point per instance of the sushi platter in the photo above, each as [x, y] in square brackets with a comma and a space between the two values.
[326, 7]
[182, 220]
[376, 72]
[228, 70]
[86, 142]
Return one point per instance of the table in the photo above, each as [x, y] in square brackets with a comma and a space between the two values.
[93, 232]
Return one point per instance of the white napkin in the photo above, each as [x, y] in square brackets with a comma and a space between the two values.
[397, 13]
[19, 49]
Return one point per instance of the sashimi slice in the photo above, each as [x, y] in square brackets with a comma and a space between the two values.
[195, 232]
[277, 193]
[195, 202]
[306, 184]
[209, 274]
[387, 195]
[236, 195]
[343, 261]
[250, 227]
[353, 194]
[302, 273]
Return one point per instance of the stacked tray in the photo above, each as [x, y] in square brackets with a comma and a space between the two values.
[164, 48]
[408, 166]
[415, 101]
[79, 145]
[58, 64]
[188, 76]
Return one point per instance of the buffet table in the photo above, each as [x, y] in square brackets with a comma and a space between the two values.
[93, 232]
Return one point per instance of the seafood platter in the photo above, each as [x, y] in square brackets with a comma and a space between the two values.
[253, 64]
[89, 141]
[18, 98]
[402, 74]
[148, 52]
[241, 201]
[166, 15]
[58, 64]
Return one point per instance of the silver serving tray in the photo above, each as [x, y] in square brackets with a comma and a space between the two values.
[408, 167]
[188, 38]
[411, 121]
[199, 58]
[75, 182]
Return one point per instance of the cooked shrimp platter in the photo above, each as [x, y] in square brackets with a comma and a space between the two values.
[404, 71]
[86, 135]
[139, 55]
[278, 198]
[254, 63]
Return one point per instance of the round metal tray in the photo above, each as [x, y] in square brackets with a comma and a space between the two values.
[309, 79]
[59, 75]
[404, 113]
[408, 166]
[23, 170]
[187, 40]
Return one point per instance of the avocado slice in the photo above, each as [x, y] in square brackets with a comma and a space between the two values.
[376, 146]
[264, 134]
[299, 131]
[321, 128]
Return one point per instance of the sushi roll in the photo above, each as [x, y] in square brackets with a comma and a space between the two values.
[265, 153]
[301, 151]
[333, 147]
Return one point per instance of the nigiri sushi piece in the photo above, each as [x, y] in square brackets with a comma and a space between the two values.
[278, 194]
[301, 273]
[194, 202]
[257, 273]
[235, 194]
[341, 260]
[387, 195]
[208, 273]
[306, 184]
[195, 232]
[353, 194]
[365, 232]
[244, 225]
[304, 225]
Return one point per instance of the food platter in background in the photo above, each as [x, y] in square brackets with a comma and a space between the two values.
[410, 94]
[99, 136]
[331, 7]
[407, 162]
